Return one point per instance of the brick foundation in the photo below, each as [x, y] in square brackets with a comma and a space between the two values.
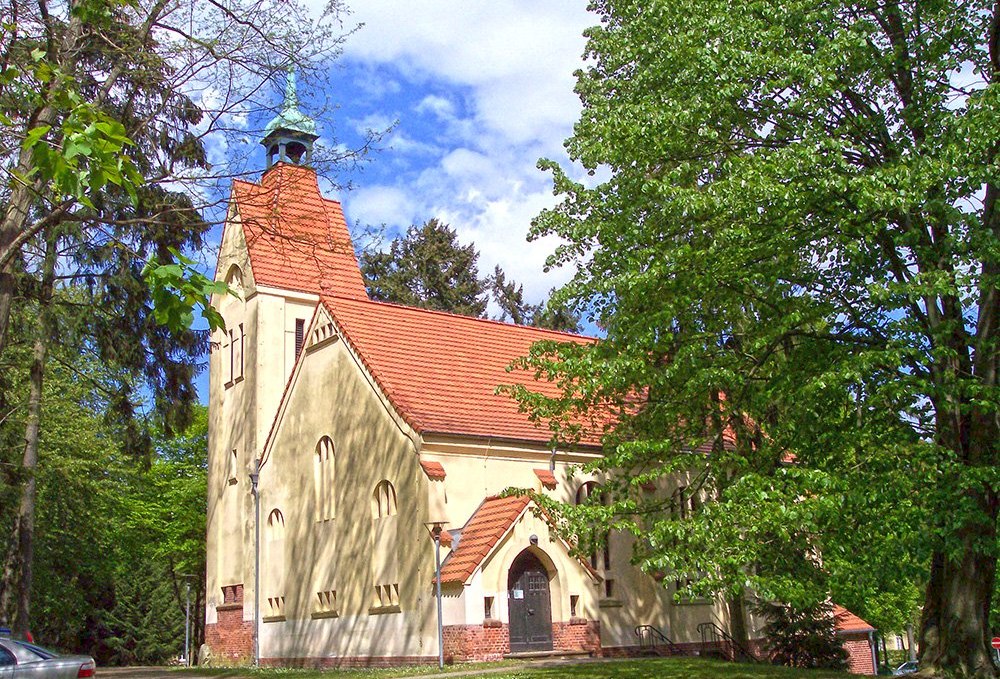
[491, 640]
[579, 634]
[231, 638]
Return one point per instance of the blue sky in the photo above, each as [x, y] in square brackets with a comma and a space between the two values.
[477, 92]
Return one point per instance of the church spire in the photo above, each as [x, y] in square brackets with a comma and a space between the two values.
[290, 135]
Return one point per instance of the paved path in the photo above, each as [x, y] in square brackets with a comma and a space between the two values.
[145, 673]
[166, 673]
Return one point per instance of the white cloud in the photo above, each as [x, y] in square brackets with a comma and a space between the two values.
[376, 121]
[376, 205]
[439, 106]
[517, 56]
[492, 91]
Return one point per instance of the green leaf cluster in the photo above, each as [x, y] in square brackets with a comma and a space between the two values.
[177, 288]
[794, 246]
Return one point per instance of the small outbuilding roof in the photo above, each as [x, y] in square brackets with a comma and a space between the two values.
[846, 622]
[481, 534]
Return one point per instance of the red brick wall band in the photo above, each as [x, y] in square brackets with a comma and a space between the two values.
[231, 638]
[491, 640]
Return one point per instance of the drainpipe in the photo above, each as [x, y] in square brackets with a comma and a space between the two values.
[254, 478]
[871, 647]
[437, 567]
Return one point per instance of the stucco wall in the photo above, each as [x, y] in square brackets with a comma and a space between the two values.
[331, 395]
[477, 469]
[242, 404]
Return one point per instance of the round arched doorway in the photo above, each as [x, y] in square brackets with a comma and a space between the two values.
[528, 605]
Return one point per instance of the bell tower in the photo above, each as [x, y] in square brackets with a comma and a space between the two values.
[289, 137]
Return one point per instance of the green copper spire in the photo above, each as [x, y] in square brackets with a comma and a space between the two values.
[289, 137]
[291, 118]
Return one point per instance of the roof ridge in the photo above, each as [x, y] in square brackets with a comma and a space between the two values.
[451, 314]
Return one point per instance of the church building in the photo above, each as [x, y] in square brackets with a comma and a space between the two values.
[343, 430]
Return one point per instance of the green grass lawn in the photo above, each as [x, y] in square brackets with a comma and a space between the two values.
[652, 668]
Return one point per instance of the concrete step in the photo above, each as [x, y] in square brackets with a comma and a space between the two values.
[556, 654]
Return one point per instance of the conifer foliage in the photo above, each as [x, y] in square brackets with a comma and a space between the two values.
[803, 638]
[428, 268]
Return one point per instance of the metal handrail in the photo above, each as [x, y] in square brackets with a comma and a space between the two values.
[649, 635]
[719, 635]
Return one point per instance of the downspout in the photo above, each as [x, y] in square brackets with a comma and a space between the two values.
[871, 647]
[254, 479]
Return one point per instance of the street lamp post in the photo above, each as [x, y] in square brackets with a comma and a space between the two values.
[254, 478]
[436, 528]
[187, 616]
[187, 624]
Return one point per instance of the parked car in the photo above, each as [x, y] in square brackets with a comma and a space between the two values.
[909, 667]
[21, 659]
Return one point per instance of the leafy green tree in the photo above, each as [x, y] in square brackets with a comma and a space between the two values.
[115, 543]
[106, 97]
[427, 268]
[163, 525]
[103, 146]
[796, 251]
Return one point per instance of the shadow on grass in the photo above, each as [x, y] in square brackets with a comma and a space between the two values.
[651, 668]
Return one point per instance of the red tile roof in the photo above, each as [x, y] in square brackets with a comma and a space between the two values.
[846, 622]
[434, 470]
[547, 478]
[441, 371]
[297, 238]
[480, 535]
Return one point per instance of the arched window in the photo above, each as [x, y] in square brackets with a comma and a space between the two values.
[385, 549]
[275, 525]
[235, 336]
[383, 500]
[586, 490]
[234, 279]
[600, 558]
[234, 468]
[273, 582]
[324, 472]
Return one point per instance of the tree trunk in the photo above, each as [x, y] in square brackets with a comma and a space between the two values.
[738, 626]
[23, 194]
[198, 620]
[954, 630]
[18, 567]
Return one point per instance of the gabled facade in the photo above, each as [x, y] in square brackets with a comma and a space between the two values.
[371, 421]
[368, 422]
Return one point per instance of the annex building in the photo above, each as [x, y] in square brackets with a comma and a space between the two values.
[368, 422]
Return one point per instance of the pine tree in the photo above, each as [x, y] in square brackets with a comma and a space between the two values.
[427, 268]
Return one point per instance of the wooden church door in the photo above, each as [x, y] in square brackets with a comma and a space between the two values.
[528, 605]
